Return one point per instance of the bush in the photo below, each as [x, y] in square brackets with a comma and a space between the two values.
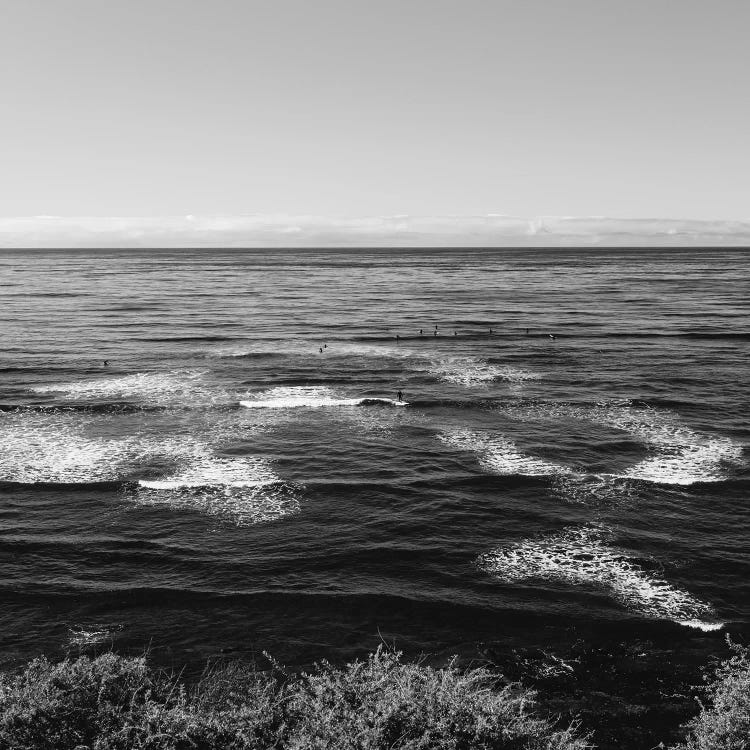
[116, 703]
[724, 722]
[383, 703]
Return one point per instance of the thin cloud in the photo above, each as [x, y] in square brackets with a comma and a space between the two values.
[491, 230]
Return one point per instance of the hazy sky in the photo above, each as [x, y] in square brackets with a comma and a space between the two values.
[349, 108]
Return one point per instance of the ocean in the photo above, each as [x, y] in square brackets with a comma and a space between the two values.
[203, 454]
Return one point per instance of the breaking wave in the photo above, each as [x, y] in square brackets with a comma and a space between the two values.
[205, 470]
[312, 397]
[241, 489]
[242, 506]
[578, 556]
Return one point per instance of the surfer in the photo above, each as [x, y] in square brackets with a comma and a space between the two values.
[551, 336]
[321, 349]
[527, 331]
[106, 363]
[490, 332]
[397, 338]
[420, 331]
[400, 396]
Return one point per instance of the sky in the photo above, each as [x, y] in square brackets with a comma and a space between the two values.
[345, 113]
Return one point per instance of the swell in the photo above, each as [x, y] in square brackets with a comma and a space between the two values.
[104, 485]
[186, 339]
[112, 407]
[519, 333]
[292, 600]
[464, 482]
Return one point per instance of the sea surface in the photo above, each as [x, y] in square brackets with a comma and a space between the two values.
[203, 453]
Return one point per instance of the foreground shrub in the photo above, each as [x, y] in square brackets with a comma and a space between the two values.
[384, 703]
[724, 722]
[115, 703]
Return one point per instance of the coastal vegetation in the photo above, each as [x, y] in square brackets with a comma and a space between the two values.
[113, 702]
[116, 703]
[723, 722]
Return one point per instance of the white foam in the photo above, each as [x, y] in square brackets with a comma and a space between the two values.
[698, 462]
[206, 470]
[706, 627]
[242, 489]
[94, 635]
[243, 506]
[471, 371]
[578, 556]
[44, 448]
[39, 449]
[501, 456]
[177, 387]
[681, 455]
[311, 397]
[593, 489]
[64, 447]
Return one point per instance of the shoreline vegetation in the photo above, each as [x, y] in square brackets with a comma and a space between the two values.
[112, 702]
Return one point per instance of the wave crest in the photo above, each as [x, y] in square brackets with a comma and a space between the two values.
[311, 397]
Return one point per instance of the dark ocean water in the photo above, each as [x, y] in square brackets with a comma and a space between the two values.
[573, 510]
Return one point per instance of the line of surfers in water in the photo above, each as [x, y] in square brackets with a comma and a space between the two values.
[400, 395]
[435, 333]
